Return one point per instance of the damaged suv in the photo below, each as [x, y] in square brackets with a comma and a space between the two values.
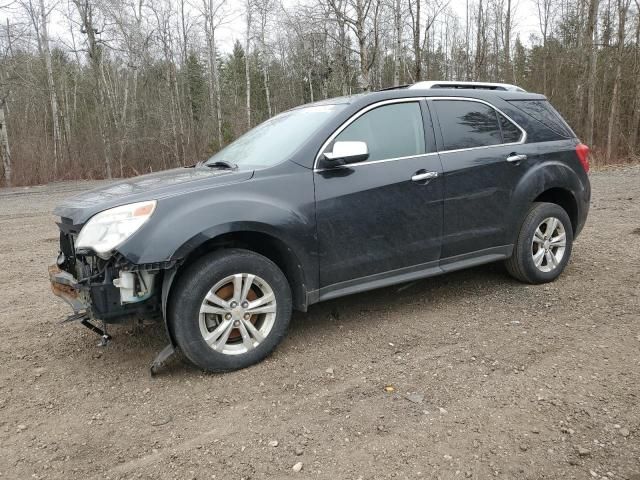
[321, 201]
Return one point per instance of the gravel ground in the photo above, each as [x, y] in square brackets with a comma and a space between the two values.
[468, 375]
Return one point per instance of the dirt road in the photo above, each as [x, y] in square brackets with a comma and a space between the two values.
[487, 377]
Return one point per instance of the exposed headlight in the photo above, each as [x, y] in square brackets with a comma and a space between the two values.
[106, 230]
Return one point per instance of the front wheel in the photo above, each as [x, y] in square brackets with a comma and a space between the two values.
[544, 244]
[230, 309]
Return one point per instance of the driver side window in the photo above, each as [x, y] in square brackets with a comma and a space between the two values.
[390, 131]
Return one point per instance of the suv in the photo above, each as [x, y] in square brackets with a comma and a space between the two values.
[324, 200]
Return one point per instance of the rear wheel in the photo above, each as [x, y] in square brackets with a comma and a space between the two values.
[544, 244]
[230, 310]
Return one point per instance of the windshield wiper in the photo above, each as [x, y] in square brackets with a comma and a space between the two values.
[222, 164]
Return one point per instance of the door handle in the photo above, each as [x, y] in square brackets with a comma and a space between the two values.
[424, 176]
[516, 158]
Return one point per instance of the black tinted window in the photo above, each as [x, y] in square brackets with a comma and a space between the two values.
[510, 133]
[467, 124]
[543, 112]
[390, 131]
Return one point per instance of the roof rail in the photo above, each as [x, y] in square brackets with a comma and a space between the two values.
[395, 87]
[472, 85]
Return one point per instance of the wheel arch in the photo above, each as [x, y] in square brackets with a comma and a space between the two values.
[267, 244]
[552, 182]
[563, 198]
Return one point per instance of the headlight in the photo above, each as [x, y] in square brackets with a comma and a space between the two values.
[106, 230]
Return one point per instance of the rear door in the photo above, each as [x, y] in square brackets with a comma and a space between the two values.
[481, 150]
[382, 216]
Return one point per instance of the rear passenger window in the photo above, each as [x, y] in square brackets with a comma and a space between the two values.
[510, 133]
[391, 131]
[466, 124]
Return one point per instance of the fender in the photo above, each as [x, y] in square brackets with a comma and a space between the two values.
[542, 177]
[183, 223]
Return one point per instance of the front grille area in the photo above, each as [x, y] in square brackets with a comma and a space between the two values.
[67, 249]
[94, 277]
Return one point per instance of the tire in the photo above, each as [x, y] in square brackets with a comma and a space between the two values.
[213, 277]
[528, 251]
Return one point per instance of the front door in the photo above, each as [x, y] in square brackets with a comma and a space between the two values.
[381, 217]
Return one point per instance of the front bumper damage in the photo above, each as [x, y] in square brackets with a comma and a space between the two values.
[102, 292]
[65, 286]
[108, 290]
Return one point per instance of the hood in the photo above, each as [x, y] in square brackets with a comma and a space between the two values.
[154, 186]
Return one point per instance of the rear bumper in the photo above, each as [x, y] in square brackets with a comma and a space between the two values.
[583, 208]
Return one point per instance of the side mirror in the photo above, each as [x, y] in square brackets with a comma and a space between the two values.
[347, 152]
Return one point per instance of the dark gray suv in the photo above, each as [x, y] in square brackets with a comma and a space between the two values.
[327, 199]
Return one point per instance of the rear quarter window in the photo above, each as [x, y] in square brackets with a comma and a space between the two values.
[541, 111]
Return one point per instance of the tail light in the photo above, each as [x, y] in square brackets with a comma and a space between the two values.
[583, 155]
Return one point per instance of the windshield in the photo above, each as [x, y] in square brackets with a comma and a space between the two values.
[277, 139]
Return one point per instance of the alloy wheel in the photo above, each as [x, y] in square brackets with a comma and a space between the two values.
[549, 244]
[237, 313]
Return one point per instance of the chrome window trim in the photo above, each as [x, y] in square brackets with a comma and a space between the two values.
[522, 140]
[371, 162]
[359, 113]
[352, 119]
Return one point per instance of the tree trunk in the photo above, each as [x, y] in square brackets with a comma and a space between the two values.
[95, 58]
[187, 88]
[214, 80]
[508, 75]
[123, 121]
[467, 42]
[635, 120]
[178, 106]
[247, 69]
[590, 81]
[480, 44]
[265, 74]
[623, 7]
[53, 97]
[417, 69]
[365, 80]
[344, 60]
[5, 151]
[398, 50]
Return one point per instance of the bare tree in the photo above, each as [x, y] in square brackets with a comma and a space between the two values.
[164, 14]
[546, 14]
[397, 20]
[481, 42]
[508, 75]
[623, 9]
[247, 53]
[592, 63]
[361, 16]
[39, 16]
[264, 9]
[214, 15]
[635, 119]
[5, 151]
[95, 53]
